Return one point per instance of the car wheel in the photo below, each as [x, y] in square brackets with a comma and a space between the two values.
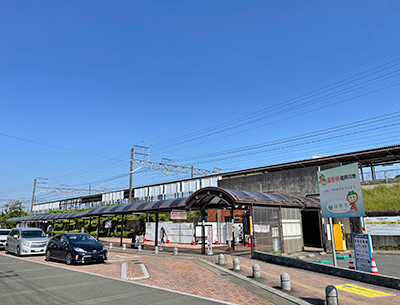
[6, 249]
[18, 251]
[48, 256]
[68, 258]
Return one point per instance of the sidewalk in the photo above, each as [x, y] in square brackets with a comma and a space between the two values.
[306, 285]
[197, 274]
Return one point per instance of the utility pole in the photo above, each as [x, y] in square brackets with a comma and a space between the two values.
[33, 194]
[131, 174]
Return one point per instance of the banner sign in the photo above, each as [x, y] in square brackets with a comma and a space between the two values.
[209, 235]
[261, 228]
[387, 226]
[178, 215]
[340, 192]
[229, 228]
[362, 252]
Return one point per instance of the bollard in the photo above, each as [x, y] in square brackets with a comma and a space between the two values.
[221, 259]
[139, 248]
[123, 247]
[155, 250]
[285, 281]
[236, 264]
[256, 271]
[332, 297]
[175, 251]
[111, 245]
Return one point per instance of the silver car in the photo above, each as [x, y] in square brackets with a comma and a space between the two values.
[25, 241]
[3, 237]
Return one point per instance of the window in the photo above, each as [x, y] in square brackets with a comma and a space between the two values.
[56, 238]
[32, 234]
[64, 239]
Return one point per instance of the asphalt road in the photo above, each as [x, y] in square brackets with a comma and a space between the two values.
[388, 263]
[26, 282]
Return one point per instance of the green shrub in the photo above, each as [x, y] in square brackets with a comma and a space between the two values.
[382, 198]
[127, 234]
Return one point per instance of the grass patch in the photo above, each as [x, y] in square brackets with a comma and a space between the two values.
[382, 198]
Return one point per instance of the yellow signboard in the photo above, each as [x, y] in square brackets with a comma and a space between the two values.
[363, 291]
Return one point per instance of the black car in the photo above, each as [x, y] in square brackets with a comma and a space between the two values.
[75, 248]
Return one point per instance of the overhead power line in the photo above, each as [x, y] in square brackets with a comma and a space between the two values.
[259, 115]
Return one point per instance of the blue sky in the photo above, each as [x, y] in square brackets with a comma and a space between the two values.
[83, 81]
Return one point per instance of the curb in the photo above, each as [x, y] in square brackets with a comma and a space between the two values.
[255, 283]
[244, 278]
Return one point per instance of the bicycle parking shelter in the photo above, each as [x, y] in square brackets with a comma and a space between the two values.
[276, 217]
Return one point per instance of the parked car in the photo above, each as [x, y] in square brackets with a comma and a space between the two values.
[3, 237]
[25, 241]
[75, 248]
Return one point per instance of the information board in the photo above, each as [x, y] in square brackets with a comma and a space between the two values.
[362, 252]
[387, 226]
[340, 192]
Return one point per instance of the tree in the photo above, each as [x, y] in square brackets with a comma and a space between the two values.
[11, 210]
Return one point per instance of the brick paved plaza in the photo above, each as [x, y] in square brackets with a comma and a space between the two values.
[188, 272]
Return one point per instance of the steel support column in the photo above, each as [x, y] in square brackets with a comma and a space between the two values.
[252, 239]
[233, 229]
[122, 230]
[156, 235]
[98, 227]
[203, 231]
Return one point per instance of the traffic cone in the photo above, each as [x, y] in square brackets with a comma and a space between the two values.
[374, 269]
[351, 263]
[216, 240]
[194, 241]
[247, 241]
[145, 238]
[168, 239]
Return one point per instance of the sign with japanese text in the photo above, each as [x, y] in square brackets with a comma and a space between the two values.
[340, 192]
[387, 226]
[178, 215]
[229, 229]
[362, 252]
[209, 235]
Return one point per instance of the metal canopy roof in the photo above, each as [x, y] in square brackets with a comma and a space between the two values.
[216, 197]
[48, 217]
[375, 157]
[207, 198]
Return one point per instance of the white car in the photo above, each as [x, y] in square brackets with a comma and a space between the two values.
[25, 241]
[3, 237]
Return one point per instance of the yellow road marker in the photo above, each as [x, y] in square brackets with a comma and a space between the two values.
[369, 293]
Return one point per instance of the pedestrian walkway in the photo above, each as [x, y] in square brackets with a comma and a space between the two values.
[197, 274]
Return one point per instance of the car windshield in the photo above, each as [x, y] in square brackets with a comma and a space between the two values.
[82, 238]
[32, 234]
[4, 232]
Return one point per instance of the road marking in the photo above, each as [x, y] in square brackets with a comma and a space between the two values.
[124, 276]
[115, 260]
[309, 287]
[369, 293]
